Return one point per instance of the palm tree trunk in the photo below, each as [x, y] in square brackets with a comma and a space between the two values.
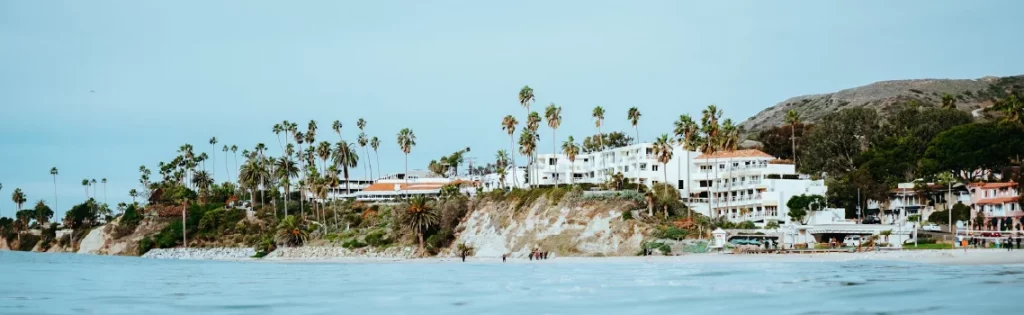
[637, 159]
[406, 177]
[368, 163]
[345, 170]
[55, 206]
[419, 234]
[554, 152]
[184, 230]
[512, 147]
[376, 154]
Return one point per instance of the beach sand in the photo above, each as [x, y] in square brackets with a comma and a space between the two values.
[944, 257]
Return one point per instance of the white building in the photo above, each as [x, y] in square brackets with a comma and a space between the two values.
[416, 182]
[742, 185]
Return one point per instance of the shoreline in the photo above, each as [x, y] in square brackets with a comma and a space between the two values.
[930, 256]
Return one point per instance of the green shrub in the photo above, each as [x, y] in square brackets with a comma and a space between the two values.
[746, 225]
[264, 246]
[627, 215]
[145, 245]
[353, 244]
[672, 232]
[659, 246]
[377, 238]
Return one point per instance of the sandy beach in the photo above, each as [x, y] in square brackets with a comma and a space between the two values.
[944, 257]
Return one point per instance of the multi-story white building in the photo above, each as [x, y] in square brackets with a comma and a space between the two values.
[742, 185]
[747, 185]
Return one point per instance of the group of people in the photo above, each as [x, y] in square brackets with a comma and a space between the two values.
[1009, 242]
[536, 254]
[834, 243]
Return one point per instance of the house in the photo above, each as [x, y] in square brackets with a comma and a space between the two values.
[998, 203]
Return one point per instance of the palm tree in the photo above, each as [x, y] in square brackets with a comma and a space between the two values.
[406, 141]
[300, 138]
[526, 97]
[686, 132]
[291, 232]
[346, 157]
[264, 173]
[598, 114]
[709, 126]
[18, 197]
[730, 135]
[570, 149]
[92, 183]
[133, 194]
[502, 160]
[213, 148]
[323, 151]
[203, 181]
[363, 140]
[419, 218]
[1013, 108]
[554, 116]
[663, 148]
[53, 173]
[336, 126]
[793, 118]
[250, 176]
[278, 129]
[284, 170]
[527, 146]
[533, 124]
[85, 184]
[634, 118]
[234, 150]
[104, 181]
[508, 124]
[226, 169]
[375, 144]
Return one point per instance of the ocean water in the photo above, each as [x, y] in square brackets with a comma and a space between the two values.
[32, 283]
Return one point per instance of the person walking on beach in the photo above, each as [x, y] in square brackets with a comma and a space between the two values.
[531, 256]
[1018, 242]
[503, 257]
[1009, 243]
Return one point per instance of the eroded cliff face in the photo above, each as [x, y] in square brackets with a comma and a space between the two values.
[572, 227]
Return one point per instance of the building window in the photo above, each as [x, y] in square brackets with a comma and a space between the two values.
[705, 183]
[681, 185]
[553, 161]
[643, 166]
[654, 168]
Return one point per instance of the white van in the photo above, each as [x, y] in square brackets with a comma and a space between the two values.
[854, 240]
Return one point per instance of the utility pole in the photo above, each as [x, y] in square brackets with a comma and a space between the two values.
[859, 218]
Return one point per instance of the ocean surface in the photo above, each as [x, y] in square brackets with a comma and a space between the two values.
[33, 283]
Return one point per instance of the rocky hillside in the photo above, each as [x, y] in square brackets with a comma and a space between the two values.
[572, 226]
[970, 95]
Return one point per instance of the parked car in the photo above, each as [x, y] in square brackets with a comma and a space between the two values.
[931, 227]
[991, 234]
[854, 240]
[872, 220]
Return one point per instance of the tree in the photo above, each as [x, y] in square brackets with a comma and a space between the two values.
[291, 232]
[527, 146]
[42, 213]
[18, 197]
[92, 183]
[554, 116]
[104, 181]
[419, 218]
[502, 158]
[406, 141]
[598, 114]
[838, 139]
[133, 194]
[53, 173]
[634, 119]
[85, 184]
[526, 97]
[961, 212]
[793, 118]
[1013, 109]
[663, 149]
[508, 124]
[363, 140]
[777, 141]
[686, 132]
[234, 150]
[708, 143]
[799, 205]
[968, 148]
[346, 157]
[213, 150]
[570, 149]
[948, 101]
[533, 124]
[375, 144]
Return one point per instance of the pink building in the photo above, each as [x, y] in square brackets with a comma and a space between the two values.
[999, 203]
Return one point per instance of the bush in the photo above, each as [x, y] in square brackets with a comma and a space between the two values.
[659, 246]
[353, 244]
[772, 225]
[264, 246]
[627, 215]
[746, 225]
[377, 238]
[145, 245]
[129, 222]
[672, 232]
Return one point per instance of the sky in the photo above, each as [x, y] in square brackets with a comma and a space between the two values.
[98, 88]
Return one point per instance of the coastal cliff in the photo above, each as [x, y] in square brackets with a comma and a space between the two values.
[574, 225]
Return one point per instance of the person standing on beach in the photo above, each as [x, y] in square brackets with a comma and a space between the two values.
[1018, 242]
[503, 257]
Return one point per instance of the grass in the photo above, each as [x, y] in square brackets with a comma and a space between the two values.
[928, 246]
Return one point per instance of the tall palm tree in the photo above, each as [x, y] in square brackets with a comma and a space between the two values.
[527, 146]
[346, 157]
[419, 218]
[92, 183]
[336, 126]
[502, 158]
[730, 135]
[300, 138]
[226, 169]
[686, 135]
[634, 118]
[663, 149]
[250, 176]
[406, 141]
[323, 151]
[53, 173]
[508, 124]
[278, 129]
[598, 114]
[1013, 109]
[85, 184]
[526, 97]
[375, 144]
[104, 181]
[363, 141]
[203, 180]
[793, 118]
[264, 173]
[571, 149]
[19, 198]
[533, 124]
[133, 194]
[234, 150]
[709, 126]
[213, 150]
[554, 116]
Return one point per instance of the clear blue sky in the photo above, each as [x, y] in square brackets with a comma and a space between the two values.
[98, 88]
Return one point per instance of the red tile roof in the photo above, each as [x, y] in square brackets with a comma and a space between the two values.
[413, 186]
[735, 154]
[998, 200]
[994, 185]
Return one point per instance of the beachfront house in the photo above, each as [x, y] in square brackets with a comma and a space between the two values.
[998, 204]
